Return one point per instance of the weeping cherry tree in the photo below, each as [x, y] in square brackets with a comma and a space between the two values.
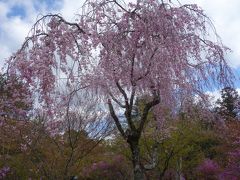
[121, 51]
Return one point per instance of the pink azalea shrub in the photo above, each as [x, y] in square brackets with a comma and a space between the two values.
[4, 171]
[114, 169]
[209, 169]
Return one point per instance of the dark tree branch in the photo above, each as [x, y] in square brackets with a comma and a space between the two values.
[146, 109]
[128, 106]
[25, 44]
[166, 163]
[61, 19]
[123, 93]
[116, 101]
[149, 66]
[116, 119]
[132, 97]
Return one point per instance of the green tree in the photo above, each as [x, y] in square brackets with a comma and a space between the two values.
[228, 104]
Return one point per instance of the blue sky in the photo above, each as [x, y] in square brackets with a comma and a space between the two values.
[17, 17]
[17, 10]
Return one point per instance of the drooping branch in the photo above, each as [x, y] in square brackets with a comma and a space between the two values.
[61, 19]
[25, 44]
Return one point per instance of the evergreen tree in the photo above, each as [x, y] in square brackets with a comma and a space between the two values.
[228, 104]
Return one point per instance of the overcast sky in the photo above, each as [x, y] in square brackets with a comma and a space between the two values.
[17, 17]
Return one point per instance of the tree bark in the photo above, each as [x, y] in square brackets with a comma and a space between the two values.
[133, 134]
[137, 167]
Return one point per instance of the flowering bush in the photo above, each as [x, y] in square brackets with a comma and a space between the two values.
[209, 169]
[114, 169]
[4, 171]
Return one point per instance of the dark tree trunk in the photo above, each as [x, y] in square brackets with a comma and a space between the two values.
[137, 167]
[133, 133]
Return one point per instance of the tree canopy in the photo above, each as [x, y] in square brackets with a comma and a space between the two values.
[123, 51]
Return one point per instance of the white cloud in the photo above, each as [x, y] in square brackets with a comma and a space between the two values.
[226, 18]
[214, 95]
[14, 29]
[3, 9]
[71, 8]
